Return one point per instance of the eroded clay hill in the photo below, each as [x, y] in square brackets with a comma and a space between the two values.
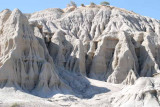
[57, 48]
[103, 43]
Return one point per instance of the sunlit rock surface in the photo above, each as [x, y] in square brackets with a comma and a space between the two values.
[88, 52]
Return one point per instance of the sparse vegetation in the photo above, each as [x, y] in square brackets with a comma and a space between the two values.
[68, 5]
[15, 105]
[72, 3]
[92, 4]
[82, 5]
[104, 3]
[132, 11]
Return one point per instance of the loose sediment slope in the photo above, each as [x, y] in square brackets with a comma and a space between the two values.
[58, 49]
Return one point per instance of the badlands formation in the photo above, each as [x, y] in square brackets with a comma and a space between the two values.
[79, 57]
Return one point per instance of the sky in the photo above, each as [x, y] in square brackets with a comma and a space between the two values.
[149, 8]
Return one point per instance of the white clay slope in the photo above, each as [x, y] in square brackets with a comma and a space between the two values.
[112, 41]
[25, 61]
[57, 50]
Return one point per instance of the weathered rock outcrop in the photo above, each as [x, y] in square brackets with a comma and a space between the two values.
[57, 48]
[145, 93]
[25, 61]
[108, 42]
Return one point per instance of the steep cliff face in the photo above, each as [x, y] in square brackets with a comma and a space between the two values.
[57, 48]
[103, 43]
[25, 61]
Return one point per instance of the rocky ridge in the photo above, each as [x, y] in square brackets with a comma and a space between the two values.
[57, 50]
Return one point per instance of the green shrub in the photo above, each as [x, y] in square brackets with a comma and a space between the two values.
[15, 105]
[92, 4]
[82, 5]
[72, 3]
[105, 3]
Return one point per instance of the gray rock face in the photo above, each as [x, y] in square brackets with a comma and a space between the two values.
[25, 61]
[46, 49]
[109, 41]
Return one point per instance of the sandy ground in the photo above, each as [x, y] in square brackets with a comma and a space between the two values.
[9, 97]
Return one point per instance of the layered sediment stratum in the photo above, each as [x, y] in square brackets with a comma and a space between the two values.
[66, 51]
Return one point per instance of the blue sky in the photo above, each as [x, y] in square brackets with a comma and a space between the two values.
[149, 8]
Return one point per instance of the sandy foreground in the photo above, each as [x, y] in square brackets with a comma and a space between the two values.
[9, 97]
